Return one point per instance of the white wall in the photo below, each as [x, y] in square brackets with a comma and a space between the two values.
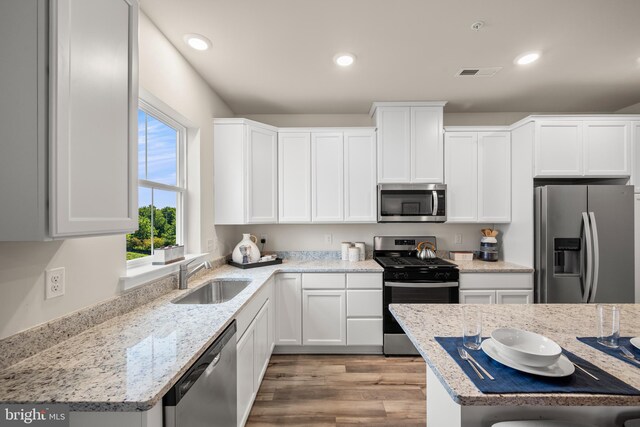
[631, 109]
[94, 265]
[311, 237]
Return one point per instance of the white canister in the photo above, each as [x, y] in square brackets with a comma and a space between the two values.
[345, 250]
[354, 254]
[362, 247]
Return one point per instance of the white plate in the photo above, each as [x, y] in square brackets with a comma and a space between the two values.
[562, 368]
[635, 342]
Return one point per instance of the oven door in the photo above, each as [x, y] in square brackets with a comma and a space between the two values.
[395, 340]
[411, 203]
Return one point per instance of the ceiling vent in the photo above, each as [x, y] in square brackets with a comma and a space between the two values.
[478, 72]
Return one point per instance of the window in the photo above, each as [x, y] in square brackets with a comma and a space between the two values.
[161, 184]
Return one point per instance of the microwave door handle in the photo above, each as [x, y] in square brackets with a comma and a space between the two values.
[434, 203]
[588, 240]
[596, 257]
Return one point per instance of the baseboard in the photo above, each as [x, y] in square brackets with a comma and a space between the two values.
[329, 349]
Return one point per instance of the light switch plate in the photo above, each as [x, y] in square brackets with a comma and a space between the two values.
[54, 282]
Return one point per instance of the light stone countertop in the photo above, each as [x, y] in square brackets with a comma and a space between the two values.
[129, 362]
[478, 266]
[560, 322]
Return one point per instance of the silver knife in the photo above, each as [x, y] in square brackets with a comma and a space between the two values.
[479, 365]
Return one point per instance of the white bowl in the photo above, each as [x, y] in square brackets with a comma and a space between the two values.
[526, 347]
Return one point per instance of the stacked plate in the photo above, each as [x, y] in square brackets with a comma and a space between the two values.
[527, 352]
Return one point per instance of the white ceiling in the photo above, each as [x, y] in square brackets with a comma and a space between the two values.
[275, 56]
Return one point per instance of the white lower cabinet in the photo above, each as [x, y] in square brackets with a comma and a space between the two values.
[323, 317]
[496, 288]
[329, 309]
[254, 347]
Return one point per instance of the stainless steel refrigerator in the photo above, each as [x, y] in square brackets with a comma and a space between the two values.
[584, 244]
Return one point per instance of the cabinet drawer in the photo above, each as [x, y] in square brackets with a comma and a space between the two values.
[496, 281]
[364, 280]
[364, 303]
[323, 281]
[364, 331]
[477, 297]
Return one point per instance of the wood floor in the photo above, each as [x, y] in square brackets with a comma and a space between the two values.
[318, 390]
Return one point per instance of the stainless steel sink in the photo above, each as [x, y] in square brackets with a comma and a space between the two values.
[215, 291]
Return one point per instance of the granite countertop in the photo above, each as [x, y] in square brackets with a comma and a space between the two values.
[129, 362]
[560, 322]
[478, 266]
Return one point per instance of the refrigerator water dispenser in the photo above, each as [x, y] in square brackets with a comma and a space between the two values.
[566, 256]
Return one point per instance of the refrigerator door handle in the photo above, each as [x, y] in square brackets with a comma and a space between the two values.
[596, 257]
[589, 267]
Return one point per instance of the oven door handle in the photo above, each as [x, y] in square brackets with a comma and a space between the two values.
[421, 285]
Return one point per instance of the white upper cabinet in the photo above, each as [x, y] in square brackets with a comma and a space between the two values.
[327, 177]
[294, 177]
[427, 145]
[582, 147]
[58, 115]
[245, 172]
[360, 176]
[410, 144]
[461, 176]
[635, 176]
[478, 175]
[494, 176]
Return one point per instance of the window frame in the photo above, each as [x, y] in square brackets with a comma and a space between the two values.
[161, 114]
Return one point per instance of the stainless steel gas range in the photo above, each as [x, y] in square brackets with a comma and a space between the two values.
[410, 280]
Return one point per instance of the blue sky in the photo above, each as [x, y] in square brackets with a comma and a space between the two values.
[157, 159]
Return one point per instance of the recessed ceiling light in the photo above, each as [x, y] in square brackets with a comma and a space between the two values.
[197, 41]
[344, 59]
[527, 58]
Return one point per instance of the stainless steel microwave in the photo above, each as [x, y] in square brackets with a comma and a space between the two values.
[412, 202]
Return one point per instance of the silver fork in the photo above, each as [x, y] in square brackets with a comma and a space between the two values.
[463, 354]
[484, 371]
[627, 354]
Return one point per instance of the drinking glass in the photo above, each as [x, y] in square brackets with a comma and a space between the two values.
[608, 325]
[471, 327]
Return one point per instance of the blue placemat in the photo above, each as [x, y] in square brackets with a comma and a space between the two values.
[508, 380]
[615, 352]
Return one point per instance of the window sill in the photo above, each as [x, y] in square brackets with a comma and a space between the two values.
[142, 274]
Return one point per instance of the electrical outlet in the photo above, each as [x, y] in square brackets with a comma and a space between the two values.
[54, 282]
[458, 239]
[264, 239]
[328, 239]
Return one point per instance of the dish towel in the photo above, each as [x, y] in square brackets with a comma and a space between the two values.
[615, 352]
[508, 380]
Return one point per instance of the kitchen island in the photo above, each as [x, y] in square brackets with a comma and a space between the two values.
[453, 399]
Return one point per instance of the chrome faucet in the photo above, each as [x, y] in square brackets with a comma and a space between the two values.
[183, 278]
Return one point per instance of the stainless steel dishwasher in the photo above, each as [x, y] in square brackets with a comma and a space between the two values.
[205, 396]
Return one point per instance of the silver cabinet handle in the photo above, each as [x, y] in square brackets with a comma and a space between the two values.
[588, 281]
[421, 285]
[596, 257]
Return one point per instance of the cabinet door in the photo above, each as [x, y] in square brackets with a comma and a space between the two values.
[461, 176]
[262, 176]
[229, 162]
[261, 350]
[494, 177]
[514, 297]
[245, 375]
[288, 309]
[327, 182]
[394, 144]
[637, 246]
[323, 317]
[558, 148]
[93, 116]
[635, 149]
[427, 146]
[360, 176]
[477, 297]
[272, 316]
[607, 148]
[294, 177]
